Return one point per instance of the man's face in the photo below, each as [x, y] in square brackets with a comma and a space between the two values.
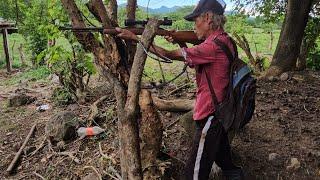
[202, 25]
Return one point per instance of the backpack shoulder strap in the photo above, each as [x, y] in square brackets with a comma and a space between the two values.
[225, 49]
[213, 94]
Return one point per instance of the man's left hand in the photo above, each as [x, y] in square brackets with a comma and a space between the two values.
[126, 34]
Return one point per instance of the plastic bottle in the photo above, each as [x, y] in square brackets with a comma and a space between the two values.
[89, 131]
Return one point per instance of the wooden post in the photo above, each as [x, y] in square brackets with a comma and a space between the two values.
[6, 49]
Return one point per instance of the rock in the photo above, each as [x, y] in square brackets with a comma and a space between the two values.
[29, 150]
[62, 127]
[168, 114]
[73, 107]
[294, 164]
[91, 176]
[271, 78]
[187, 122]
[273, 156]
[9, 134]
[43, 160]
[284, 76]
[54, 79]
[61, 145]
[17, 146]
[315, 154]
[20, 99]
[274, 159]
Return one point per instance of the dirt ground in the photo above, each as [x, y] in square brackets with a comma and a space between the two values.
[286, 122]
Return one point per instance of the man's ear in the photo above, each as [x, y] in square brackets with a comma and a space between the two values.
[208, 17]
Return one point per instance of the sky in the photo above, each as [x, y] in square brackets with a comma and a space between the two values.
[169, 3]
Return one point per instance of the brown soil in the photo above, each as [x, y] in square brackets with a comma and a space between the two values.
[286, 122]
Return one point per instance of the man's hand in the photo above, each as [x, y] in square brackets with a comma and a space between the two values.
[126, 34]
[170, 38]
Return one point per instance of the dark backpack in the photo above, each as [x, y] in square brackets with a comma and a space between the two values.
[236, 110]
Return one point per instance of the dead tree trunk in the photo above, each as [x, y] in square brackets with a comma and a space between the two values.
[288, 48]
[131, 106]
[150, 134]
[112, 65]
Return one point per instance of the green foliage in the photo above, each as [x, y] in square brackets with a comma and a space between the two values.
[33, 25]
[13, 10]
[311, 37]
[272, 10]
[62, 96]
[237, 24]
[179, 23]
[70, 65]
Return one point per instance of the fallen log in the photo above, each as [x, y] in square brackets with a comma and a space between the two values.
[18, 154]
[178, 105]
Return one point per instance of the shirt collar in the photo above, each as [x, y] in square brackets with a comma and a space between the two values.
[214, 34]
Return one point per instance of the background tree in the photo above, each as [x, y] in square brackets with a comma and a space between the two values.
[296, 18]
[237, 25]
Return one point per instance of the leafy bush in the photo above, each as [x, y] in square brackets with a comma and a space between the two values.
[62, 96]
[73, 67]
[312, 33]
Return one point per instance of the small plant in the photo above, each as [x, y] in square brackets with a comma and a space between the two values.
[62, 96]
[73, 67]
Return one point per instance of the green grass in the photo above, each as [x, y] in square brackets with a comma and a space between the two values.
[259, 44]
[29, 75]
[14, 41]
[258, 40]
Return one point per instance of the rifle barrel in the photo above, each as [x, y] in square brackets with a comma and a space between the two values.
[178, 36]
[86, 29]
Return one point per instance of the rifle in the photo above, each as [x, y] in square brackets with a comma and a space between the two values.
[179, 37]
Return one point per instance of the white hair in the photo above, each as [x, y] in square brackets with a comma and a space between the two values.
[218, 21]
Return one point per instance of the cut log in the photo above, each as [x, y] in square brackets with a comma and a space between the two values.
[178, 105]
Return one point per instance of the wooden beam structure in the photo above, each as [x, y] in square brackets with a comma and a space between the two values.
[7, 28]
[6, 50]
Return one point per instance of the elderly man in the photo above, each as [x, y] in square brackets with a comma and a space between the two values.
[211, 142]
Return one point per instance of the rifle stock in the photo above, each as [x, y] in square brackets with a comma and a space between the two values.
[179, 37]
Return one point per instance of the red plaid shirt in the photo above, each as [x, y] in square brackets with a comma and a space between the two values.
[209, 57]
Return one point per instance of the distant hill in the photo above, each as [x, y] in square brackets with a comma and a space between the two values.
[161, 10]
